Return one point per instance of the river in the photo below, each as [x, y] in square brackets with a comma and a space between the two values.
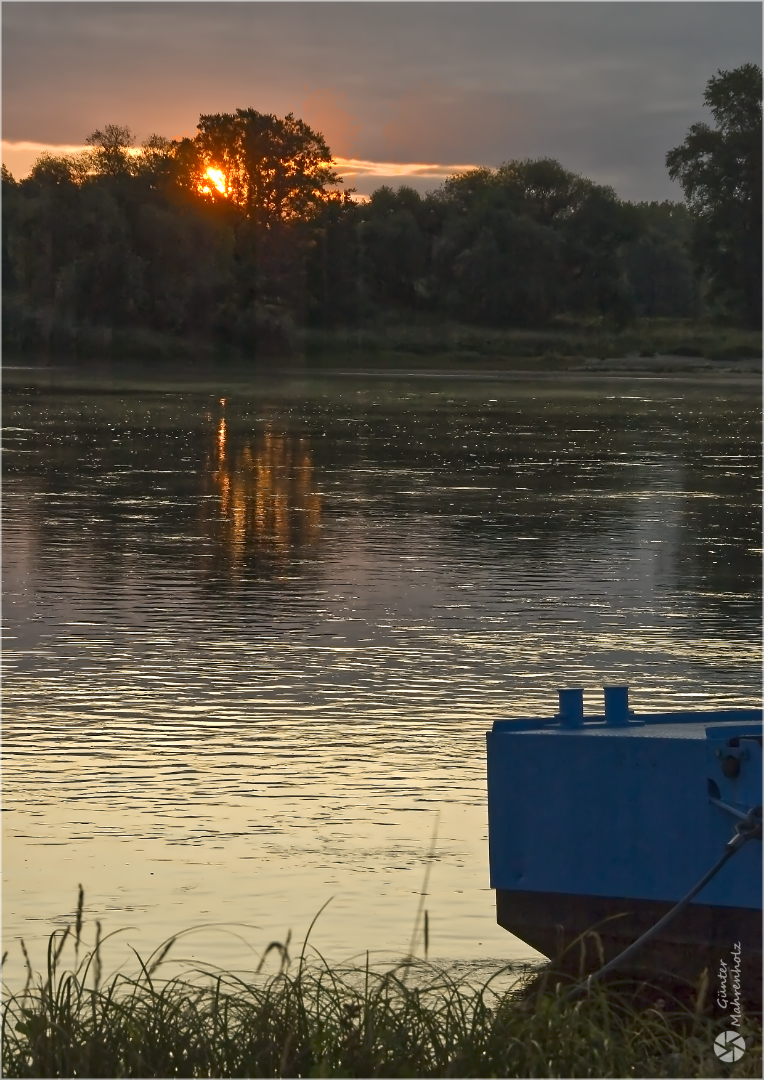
[257, 627]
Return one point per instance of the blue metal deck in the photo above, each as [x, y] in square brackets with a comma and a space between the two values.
[624, 805]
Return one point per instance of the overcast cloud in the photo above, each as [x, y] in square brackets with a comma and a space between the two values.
[607, 88]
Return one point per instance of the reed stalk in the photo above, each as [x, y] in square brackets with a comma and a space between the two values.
[312, 1018]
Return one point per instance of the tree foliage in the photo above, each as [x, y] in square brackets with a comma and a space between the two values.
[530, 239]
[110, 153]
[658, 265]
[274, 169]
[719, 169]
[243, 231]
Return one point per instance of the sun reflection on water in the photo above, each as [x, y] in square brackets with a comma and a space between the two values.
[266, 496]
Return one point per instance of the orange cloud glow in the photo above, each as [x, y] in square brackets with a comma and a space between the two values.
[327, 111]
[20, 156]
[359, 167]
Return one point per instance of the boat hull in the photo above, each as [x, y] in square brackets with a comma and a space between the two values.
[702, 937]
[604, 823]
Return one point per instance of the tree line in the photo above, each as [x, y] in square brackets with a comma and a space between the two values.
[244, 231]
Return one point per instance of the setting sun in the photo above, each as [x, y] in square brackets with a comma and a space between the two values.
[217, 178]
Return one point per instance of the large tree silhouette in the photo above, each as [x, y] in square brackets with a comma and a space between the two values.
[274, 169]
[720, 170]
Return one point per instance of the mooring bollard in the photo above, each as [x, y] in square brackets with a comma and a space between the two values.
[616, 706]
[571, 708]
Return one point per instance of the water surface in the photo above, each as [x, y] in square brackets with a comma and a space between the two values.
[256, 633]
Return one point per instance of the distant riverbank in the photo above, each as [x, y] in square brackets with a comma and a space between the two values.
[234, 376]
[649, 345]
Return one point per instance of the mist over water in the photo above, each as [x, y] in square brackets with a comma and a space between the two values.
[255, 636]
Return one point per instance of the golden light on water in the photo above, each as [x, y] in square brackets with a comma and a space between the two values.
[266, 495]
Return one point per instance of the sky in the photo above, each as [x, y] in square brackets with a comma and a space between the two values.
[404, 92]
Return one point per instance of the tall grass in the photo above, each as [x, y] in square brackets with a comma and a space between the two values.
[310, 1018]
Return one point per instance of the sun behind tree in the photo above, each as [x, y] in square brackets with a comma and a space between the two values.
[217, 179]
[273, 169]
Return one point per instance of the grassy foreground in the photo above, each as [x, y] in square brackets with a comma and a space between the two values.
[312, 1019]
